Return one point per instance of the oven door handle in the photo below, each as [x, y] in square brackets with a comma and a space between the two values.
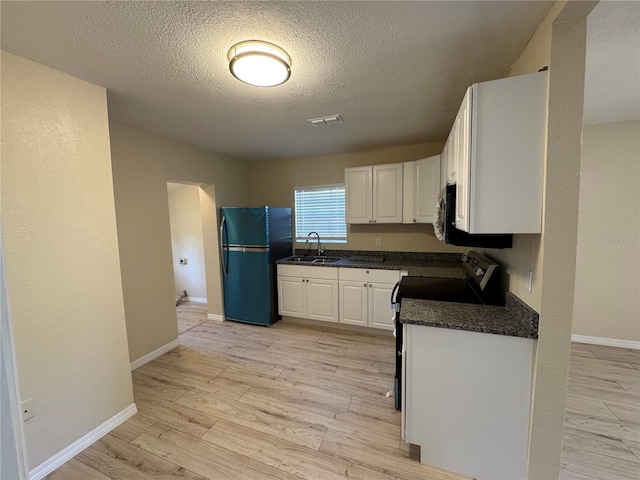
[393, 293]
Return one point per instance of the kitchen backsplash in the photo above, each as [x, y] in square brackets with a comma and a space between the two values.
[398, 256]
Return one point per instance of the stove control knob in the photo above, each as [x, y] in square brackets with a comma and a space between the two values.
[478, 271]
[465, 258]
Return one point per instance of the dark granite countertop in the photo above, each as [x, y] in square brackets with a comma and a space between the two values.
[441, 265]
[515, 319]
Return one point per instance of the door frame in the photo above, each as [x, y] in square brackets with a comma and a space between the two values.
[8, 369]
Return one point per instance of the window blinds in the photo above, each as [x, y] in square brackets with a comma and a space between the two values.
[321, 209]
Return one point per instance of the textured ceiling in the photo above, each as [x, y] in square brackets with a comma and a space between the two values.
[395, 71]
[612, 71]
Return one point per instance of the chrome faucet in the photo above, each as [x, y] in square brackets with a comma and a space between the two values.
[320, 250]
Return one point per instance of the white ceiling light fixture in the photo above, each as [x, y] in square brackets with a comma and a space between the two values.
[261, 64]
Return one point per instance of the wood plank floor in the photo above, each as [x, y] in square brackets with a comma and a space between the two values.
[291, 402]
[602, 420]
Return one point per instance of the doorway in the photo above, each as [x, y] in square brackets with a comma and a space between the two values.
[195, 259]
[12, 448]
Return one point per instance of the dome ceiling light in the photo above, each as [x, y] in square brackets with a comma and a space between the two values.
[259, 63]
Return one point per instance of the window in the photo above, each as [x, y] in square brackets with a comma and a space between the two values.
[321, 209]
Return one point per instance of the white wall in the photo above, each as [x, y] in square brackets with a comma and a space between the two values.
[186, 240]
[606, 300]
[61, 250]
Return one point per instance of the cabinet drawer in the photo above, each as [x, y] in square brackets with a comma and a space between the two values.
[305, 271]
[369, 275]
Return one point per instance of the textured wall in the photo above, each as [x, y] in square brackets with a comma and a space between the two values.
[274, 181]
[560, 43]
[608, 262]
[61, 251]
[142, 165]
[187, 241]
[558, 245]
[526, 252]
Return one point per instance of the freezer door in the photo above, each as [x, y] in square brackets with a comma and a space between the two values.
[247, 287]
[245, 226]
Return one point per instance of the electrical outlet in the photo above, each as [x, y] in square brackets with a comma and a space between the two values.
[527, 281]
[27, 409]
[378, 242]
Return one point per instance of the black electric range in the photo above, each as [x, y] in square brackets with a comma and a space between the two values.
[480, 286]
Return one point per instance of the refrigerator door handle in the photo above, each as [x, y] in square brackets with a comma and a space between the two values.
[222, 232]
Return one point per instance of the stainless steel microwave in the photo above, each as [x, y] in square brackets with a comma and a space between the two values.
[445, 229]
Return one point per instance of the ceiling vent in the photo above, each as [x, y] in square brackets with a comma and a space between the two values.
[324, 121]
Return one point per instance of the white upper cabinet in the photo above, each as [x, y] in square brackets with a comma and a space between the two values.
[358, 194]
[444, 167]
[374, 194]
[462, 160]
[498, 144]
[422, 185]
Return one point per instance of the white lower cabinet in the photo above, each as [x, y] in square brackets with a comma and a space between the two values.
[365, 296]
[352, 296]
[308, 292]
[466, 400]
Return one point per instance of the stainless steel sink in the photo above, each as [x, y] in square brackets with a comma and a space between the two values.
[302, 259]
[313, 259]
[326, 260]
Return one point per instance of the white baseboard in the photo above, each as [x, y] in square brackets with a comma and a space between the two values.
[48, 466]
[607, 342]
[196, 299]
[155, 354]
[215, 317]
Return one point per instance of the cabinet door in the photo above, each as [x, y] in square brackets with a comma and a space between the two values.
[426, 180]
[407, 193]
[291, 296]
[322, 299]
[387, 193]
[451, 156]
[358, 195]
[353, 302]
[463, 162]
[380, 313]
[444, 167]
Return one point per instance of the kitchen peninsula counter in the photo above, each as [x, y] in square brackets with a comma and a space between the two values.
[515, 319]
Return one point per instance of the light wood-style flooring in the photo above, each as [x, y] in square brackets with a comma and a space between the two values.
[289, 402]
[602, 420]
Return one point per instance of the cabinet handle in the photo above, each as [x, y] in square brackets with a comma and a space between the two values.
[370, 286]
[414, 220]
[365, 284]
